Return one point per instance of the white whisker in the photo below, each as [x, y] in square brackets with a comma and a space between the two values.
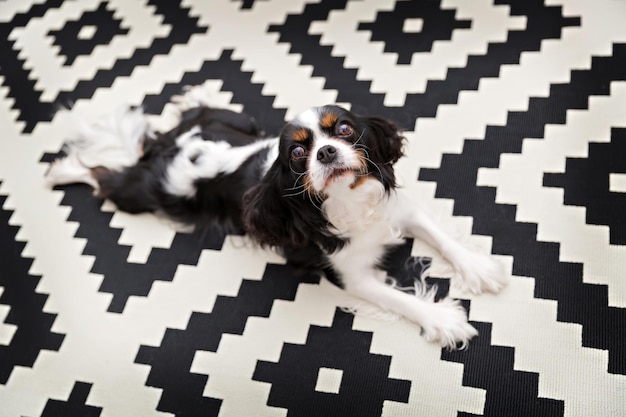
[363, 149]
[294, 194]
[312, 202]
[375, 166]
[295, 187]
[360, 137]
[296, 172]
[299, 187]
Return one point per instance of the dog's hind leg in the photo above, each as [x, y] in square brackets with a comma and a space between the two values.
[113, 143]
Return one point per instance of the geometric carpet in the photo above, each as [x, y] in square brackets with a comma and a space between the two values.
[515, 115]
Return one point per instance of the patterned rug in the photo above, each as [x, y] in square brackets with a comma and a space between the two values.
[515, 112]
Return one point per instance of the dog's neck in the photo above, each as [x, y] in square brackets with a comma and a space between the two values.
[351, 207]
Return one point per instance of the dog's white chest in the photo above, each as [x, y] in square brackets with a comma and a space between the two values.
[361, 213]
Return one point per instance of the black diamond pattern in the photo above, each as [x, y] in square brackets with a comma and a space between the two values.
[72, 45]
[27, 99]
[365, 375]
[438, 24]
[586, 184]
[170, 362]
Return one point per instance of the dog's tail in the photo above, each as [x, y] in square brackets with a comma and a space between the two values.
[112, 144]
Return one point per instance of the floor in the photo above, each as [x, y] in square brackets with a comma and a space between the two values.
[515, 113]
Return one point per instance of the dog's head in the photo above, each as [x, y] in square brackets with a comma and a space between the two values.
[322, 151]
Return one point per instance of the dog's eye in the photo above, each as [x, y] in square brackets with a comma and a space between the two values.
[298, 153]
[344, 129]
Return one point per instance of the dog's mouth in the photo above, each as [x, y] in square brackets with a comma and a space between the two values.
[344, 171]
[339, 172]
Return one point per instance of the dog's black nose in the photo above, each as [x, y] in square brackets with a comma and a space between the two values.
[327, 154]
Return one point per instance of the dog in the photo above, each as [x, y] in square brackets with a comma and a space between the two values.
[323, 192]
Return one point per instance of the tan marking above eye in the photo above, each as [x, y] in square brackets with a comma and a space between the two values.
[328, 120]
[300, 135]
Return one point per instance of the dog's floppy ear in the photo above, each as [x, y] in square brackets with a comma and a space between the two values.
[274, 216]
[385, 139]
[267, 216]
[385, 146]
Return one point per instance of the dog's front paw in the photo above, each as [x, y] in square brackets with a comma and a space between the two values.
[447, 325]
[478, 273]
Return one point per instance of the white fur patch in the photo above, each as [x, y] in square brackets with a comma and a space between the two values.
[114, 142]
[444, 322]
[199, 159]
[69, 170]
[354, 209]
[310, 119]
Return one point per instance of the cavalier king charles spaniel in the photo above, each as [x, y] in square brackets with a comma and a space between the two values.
[323, 193]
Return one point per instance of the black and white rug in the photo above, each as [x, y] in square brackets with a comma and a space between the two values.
[515, 111]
